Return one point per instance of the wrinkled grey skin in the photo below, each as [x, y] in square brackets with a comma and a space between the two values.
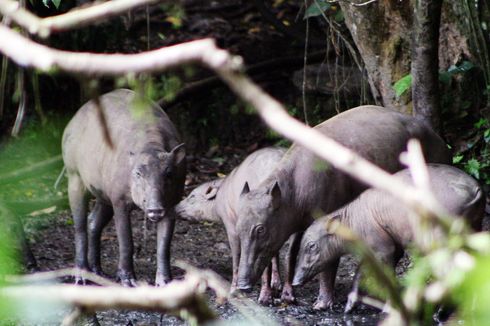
[145, 169]
[299, 188]
[384, 224]
[217, 201]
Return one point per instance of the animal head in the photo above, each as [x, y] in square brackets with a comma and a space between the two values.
[319, 246]
[199, 204]
[259, 229]
[153, 177]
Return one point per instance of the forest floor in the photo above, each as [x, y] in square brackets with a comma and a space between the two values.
[203, 245]
[238, 27]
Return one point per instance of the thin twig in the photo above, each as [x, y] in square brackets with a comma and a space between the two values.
[103, 121]
[229, 68]
[60, 176]
[21, 110]
[305, 62]
[30, 170]
[77, 18]
[372, 302]
[37, 98]
[353, 3]
[52, 275]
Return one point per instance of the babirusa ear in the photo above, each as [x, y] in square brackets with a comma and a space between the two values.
[179, 152]
[275, 192]
[246, 189]
[211, 193]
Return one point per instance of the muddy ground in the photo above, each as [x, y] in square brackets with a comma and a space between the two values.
[203, 245]
[238, 27]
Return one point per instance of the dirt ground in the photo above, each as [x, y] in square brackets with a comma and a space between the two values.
[54, 249]
[240, 29]
[203, 245]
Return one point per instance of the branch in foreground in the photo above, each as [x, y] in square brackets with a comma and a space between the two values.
[228, 67]
[43, 27]
[27, 53]
[52, 275]
[176, 296]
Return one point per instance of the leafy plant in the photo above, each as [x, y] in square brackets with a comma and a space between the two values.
[324, 7]
[175, 14]
[474, 159]
[402, 85]
[445, 77]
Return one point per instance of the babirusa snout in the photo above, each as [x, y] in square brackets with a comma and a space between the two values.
[250, 270]
[154, 209]
[156, 214]
[244, 283]
[299, 277]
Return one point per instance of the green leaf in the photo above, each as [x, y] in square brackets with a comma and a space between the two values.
[486, 136]
[316, 8]
[339, 16]
[473, 167]
[56, 3]
[320, 166]
[479, 241]
[45, 2]
[457, 158]
[480, 123]
[461, 68]
[445, 77]
[402, 85]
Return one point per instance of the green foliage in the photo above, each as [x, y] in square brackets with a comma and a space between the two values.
[317, 8]
[445, 77]
[402, 85]
[320, 165]
[473, 167]
[473, 293]
[56, 3]
[29, 167]
[175, 14]
[461, 68]
[8, 260]
[171, 85]
[324, 7]
[166, 87]
[278, 139]
[474, 159]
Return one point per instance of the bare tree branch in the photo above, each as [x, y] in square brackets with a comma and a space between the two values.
[52, 275]
[228, 67]
[186, 294]
[43, 27]
[31, 54]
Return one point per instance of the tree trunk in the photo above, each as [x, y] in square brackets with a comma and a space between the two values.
[381, 33]
[425, 61]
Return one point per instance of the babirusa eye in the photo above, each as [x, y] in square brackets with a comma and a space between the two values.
[312, 246]
[259, 230]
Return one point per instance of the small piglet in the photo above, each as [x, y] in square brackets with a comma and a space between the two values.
[145, 168]
[217, 201]
[385, 224]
